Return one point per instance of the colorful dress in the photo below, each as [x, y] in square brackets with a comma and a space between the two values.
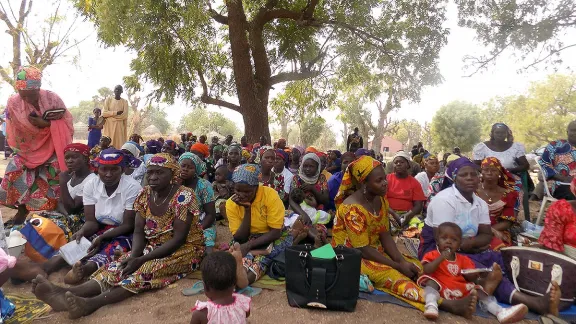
[355, 227]
[159, 273]
[234, 313]
[558, 158]
[205, 195]
[559, 226]
[452, 283]
[276, 182]
[31, 177]
[503, 209]
[321, 185]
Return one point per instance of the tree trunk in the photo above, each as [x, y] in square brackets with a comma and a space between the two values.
[382, 120]
[345, 136]
[284, 132]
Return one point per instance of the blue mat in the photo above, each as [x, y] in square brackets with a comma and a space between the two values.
[382, 297]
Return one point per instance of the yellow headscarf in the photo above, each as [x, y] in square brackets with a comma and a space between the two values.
[355, 175]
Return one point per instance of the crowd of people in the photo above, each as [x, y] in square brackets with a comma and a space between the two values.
[149, 209]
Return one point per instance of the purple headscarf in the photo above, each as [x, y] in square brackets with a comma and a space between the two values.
[361, 152]
[453, 169]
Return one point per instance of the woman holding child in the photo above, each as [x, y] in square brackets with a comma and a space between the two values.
[273, 174]
[256, 219]
[460, 205]
[167, 245]
[362, 222]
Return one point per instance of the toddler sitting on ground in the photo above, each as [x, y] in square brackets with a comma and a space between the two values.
[221, 273]
[443, 278]
[223, 190]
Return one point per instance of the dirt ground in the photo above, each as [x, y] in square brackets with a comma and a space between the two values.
[169, 306]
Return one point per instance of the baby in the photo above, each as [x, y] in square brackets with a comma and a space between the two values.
[443, 278]
[301, 232]
[220, 274]
[223, 189]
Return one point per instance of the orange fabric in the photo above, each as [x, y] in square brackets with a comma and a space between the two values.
[452, 283]
[36, 145]
[51, 233]
[402, 193]
[201, 148]
[311, 149]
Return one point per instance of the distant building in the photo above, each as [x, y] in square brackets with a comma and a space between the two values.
[389, 145]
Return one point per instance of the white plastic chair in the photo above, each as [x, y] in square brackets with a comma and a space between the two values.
[547, 195]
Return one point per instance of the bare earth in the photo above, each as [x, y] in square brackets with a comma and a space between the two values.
[168, 306]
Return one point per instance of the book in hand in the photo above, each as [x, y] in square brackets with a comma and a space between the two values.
[53, 114]
[73, 252]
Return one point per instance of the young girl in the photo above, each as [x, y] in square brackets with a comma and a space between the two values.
[223, 189]
[220, 276]
[443, 278]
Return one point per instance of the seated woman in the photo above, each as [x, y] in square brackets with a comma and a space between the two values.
[560, 224]
[362, 222]
[167, 246]
[497, 190]
[295, 156]
[233, 159]
[431, 167]
[136, 169]
[459, 204]
[323, 163]
[270, 161]
[256, 219]
[105, 143]
[191, 166]
[109, 213]
[334, 161]
[405, 194]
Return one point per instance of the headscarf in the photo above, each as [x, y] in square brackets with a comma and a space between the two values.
[246, 174]
[403, 155]
[171, 144]
[198, 163]
[321, 154]
[311, 149]
[28, 78]
[78, 147]
[310, 180]
[261, 152]
[282, 154]
[201, 148]
[338, 153]
[427, 157]
[112, 156]
[153, 146]
[132, 147]
[506, 179]
[451, 158]
[106, 137]
[458, 164]
[362, 152]
[300, 149]
[355, 175]
[218, 148]
[165, 160]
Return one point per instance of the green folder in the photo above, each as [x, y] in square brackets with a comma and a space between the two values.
[324, 252]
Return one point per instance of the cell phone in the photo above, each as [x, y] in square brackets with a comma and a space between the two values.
[53, 114]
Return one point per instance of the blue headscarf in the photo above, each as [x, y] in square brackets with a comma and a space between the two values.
[112, 156]
[246, 174]
[198, 163]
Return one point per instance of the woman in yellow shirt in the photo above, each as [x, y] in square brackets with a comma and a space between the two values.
[256, 220]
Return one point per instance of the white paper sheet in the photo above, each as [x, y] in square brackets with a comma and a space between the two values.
[72, 252]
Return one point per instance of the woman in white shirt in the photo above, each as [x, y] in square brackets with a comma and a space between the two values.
[108, 208]
[501, 145]
[460, 205]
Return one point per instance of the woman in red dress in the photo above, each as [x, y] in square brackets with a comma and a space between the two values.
[560, 224]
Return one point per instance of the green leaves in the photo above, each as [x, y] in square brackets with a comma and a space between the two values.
[203, 121]
[456, 124]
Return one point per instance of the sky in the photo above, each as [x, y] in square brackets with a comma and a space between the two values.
[96, 66]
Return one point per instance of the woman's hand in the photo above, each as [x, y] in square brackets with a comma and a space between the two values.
[95, 247]
[129, 265]
[244, 204]
[408, 269]
[78, 236]
[38, 122]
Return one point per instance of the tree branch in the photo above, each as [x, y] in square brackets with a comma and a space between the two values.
[205, 98]
[218, 17]
[485, 62]
[292, 76]
[5, 76]
[547, 56]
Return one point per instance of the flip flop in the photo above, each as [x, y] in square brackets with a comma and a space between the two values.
[197, 288]
[250, 291]
[551, 319]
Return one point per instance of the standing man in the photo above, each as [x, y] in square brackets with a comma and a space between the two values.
[355, 141]
[116, 115]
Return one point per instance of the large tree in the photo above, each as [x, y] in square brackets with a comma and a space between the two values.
[245, 48]
[44, 43]
[409, 133]
[534, 29]
[456, 124]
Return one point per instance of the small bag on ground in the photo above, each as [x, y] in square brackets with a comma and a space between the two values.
[323, 283]
[44, 238]
[532, 270]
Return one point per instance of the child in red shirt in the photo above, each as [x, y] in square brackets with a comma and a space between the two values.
[443, 278]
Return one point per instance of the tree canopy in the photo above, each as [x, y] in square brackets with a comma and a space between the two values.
[204, 121]
[243, 49]
[456, 124]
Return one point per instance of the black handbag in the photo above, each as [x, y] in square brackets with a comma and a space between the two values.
[277, 269]
[323, 283]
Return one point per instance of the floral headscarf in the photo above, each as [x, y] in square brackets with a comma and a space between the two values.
[306, 179]
[28, 78]
[355, 175]
[506, 179]
[246, 174]
[427, 157]
[78, 147]
[165, 160]
[198, 163]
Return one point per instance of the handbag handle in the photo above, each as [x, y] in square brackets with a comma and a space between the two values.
[515, 267]
[304, 260]
[555, 274]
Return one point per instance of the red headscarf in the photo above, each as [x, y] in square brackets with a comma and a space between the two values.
[506, 179]
[201, 148]
[78, 147]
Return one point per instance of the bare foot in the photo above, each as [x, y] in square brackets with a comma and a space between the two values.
[555, 294]
[492, 280]
[49, 293]
[464, 307]
[241, 276]
[319, 240]
[78, 306]
[74, 276]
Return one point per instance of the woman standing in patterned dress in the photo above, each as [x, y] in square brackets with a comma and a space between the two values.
[168, 244]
